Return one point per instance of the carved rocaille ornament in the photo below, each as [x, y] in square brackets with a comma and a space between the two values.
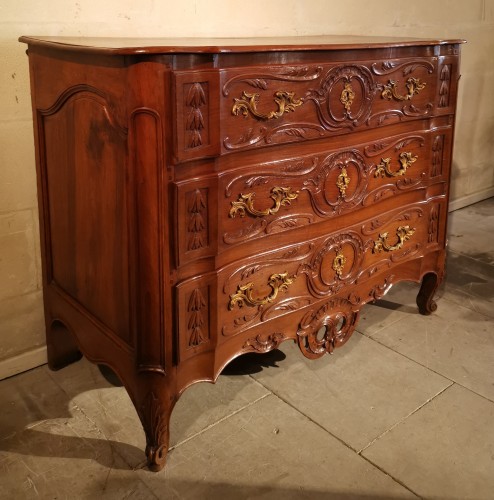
[329, 326]
[264, 344]
[355, 113]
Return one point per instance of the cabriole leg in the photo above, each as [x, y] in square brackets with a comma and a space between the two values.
[425, 297]
[154, 411]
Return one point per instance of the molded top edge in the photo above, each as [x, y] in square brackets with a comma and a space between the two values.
[135, 46]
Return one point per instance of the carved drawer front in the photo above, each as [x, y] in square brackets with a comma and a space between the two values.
[281, 195]
[280, 104]
[276, 283]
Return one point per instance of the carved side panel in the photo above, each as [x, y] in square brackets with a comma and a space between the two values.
[196, 124]
[86, 219]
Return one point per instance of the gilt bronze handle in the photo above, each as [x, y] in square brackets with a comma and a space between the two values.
[405, 159]
[281, 196]
[413, 85]
[404, 233]
[285, 101]
[244, 294]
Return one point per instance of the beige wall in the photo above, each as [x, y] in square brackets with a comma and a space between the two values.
[21, 317]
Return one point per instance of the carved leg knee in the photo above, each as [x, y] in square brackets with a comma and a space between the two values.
[425, 297]
[61, 346]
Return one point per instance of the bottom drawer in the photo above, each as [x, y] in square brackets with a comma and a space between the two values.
[215, 307]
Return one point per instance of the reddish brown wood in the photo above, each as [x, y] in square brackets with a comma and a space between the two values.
[186, 220]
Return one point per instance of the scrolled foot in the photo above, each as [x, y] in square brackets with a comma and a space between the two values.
[154, 412]
[156, 456]
[425, 301]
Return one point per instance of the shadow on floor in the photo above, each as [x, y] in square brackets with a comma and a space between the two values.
[252, 362]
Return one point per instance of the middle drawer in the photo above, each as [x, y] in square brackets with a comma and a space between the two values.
[256, 200]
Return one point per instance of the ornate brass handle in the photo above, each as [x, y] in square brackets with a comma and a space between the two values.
[413, 85]
[404, 233]
[281, 196]
[277, 282]
[285, 101]
[405, 159]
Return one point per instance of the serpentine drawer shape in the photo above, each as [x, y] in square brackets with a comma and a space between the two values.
[200, 199]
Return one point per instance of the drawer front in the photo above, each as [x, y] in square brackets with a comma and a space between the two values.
[261, 106]
[273, 284]
[258, 200]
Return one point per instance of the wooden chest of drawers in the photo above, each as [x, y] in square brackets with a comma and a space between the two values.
[200, 199]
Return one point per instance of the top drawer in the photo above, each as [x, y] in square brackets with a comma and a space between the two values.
[260, 105]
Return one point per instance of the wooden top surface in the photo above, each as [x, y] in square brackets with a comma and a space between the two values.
[134, 46]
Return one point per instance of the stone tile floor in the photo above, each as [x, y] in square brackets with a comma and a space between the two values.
[405, 409]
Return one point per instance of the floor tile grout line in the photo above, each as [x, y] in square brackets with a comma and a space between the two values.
[468, 256]
[222, 419]
[401, 483]
[432, 370]
[405, 418]
[346, 445]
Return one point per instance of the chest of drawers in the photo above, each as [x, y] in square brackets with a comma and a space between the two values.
[200, 199]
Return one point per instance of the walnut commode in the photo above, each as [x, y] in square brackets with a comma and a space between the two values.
[200, 199]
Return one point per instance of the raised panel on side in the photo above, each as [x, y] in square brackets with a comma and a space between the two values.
[84, 164]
